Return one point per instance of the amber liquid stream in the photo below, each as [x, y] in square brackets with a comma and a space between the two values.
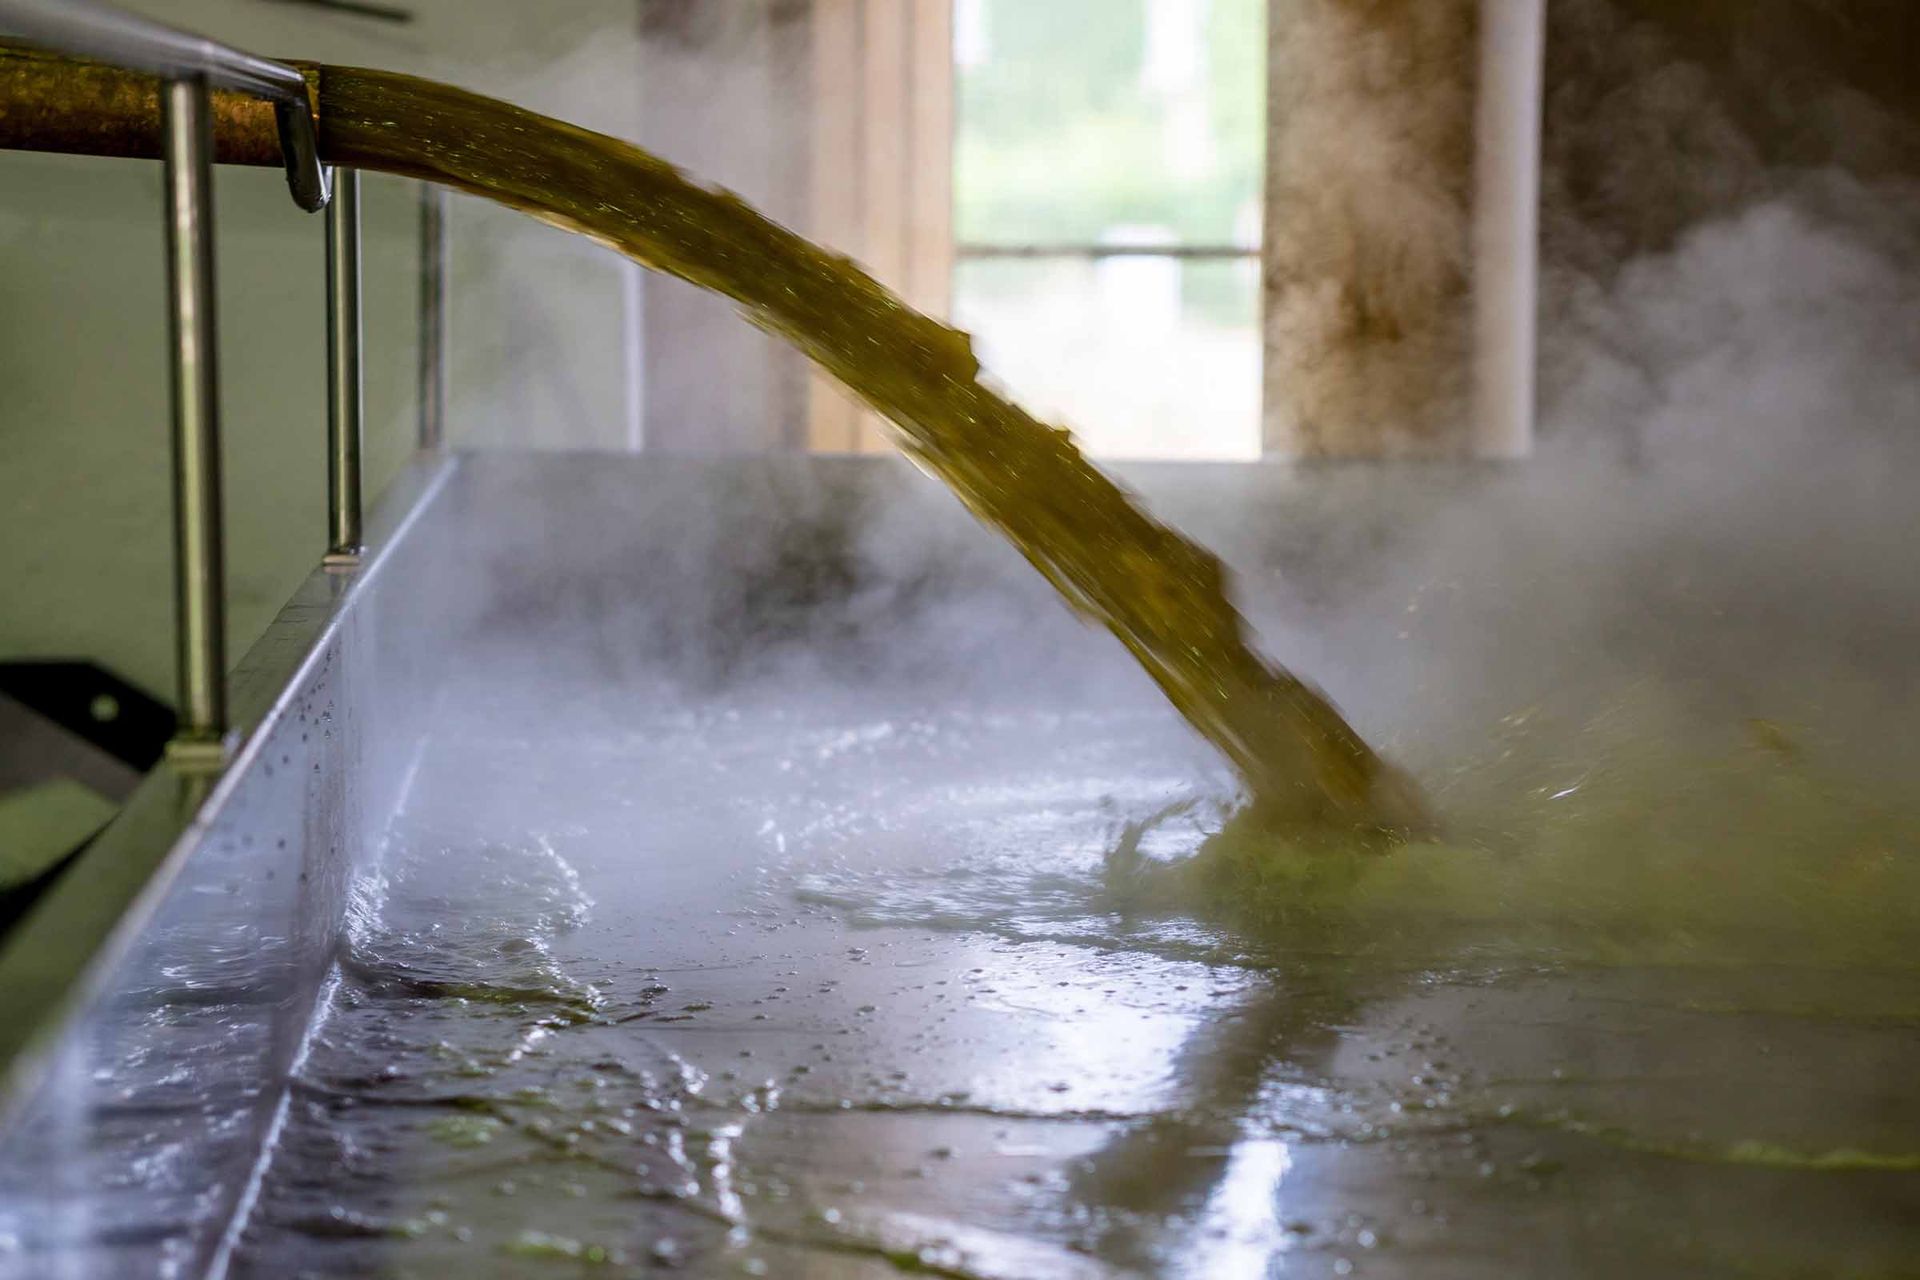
[1162, 596]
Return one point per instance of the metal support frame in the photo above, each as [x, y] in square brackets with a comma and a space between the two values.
[199, 562]
[434, 284]
[191, 66]
[346, 393]
[59, 961]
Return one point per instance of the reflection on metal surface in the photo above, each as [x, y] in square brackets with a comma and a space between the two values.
[1241, 1233]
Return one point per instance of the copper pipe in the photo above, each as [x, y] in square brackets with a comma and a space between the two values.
[54, 103]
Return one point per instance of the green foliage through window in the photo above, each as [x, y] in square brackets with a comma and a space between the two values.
[1065, 131]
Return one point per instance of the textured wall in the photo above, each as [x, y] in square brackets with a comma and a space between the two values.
[1370, 172]
[1660, 115]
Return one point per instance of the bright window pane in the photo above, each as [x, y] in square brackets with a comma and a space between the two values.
[1147, 357]
[1091, 123]
[1077, 116]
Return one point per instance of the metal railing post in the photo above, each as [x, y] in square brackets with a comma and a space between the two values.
[199, 562]
[433, 315]
[345, 393]
[190, 66]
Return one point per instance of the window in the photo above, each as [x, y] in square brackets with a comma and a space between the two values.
[1107, 178]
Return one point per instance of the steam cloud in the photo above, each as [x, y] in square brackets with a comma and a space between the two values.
[1717, 524]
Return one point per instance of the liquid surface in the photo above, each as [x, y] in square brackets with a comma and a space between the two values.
[746, 985]
[1164, 597]
[854, 985]
[725, 933]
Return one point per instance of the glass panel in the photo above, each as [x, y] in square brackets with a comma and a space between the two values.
[1089, 121]
[1143, 357]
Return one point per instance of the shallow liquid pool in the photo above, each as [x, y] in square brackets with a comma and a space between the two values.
[750, 986]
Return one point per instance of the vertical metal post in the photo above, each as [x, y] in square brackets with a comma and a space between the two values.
[199, 562]
[634, 317]
[433, 315]
[1506, 224]
[345, 394]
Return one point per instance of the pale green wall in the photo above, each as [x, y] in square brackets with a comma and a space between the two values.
[537, 332]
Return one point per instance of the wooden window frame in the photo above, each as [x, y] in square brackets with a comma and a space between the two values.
[883, 118]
